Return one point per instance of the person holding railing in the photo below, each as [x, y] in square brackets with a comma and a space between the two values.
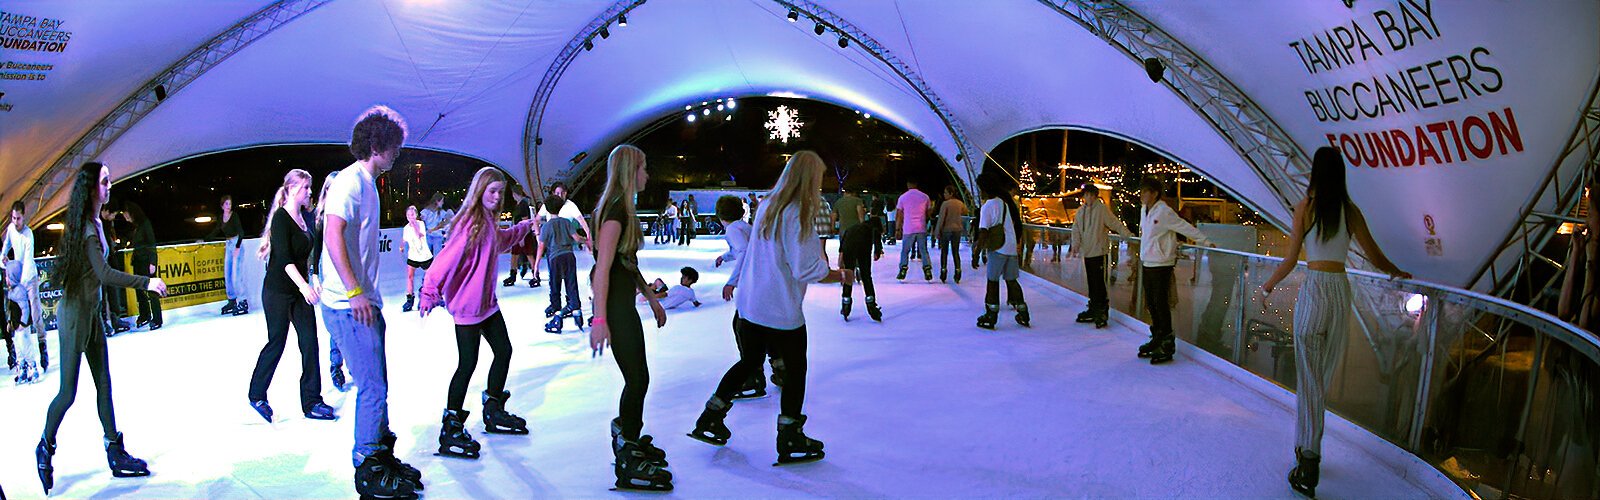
[231, 231]
[1159, 227]
[1322, 309]
[1089, 239]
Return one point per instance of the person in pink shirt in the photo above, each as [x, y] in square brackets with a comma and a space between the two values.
[912, 211]
[463, 278]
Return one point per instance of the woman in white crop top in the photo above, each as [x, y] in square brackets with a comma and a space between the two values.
[1323, 223]
[418, 254]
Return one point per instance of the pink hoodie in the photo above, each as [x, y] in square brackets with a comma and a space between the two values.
[467, 281]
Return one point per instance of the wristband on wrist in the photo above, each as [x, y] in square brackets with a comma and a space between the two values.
[352, 293]
[600, 320]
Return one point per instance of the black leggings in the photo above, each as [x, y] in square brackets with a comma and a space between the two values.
[755, 341]
[627, 345]
[492, 329]
[282, 309]
[149, 302]
[99, 368]
[1013, 292]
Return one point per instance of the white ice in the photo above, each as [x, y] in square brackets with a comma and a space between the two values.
[922, 405]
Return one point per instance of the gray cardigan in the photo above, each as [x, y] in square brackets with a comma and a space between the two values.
[81, 307]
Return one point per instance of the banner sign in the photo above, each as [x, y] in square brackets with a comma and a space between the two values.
[193, 272]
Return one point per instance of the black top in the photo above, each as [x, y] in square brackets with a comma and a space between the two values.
[228, 230]
[143, 237]
[625, 277]
[290, 245]
[862, 238]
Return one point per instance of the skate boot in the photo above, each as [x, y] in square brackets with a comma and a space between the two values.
[1023, 318]
[321, 411]
[844, 308]
[496, 420]
[1101, 319]
[646, 444]
[778, 372]
[122, 464]
[11, 354]
[454, 440]
[512, 280]
[47, 472]
[873, 310]
[377, 479]
[1148, 348]
[902, 275]
[243, 309]
[636, 472]
[534, 282]
[551, 310]
[262, 408]
[1086, 316]
[227, 310]
[404, 470]
[1303, 478]
[927, 273]
[958, 275]
[709, 427]
[991, 315]
[577, 318]
[754, 388]
[1164, 351]
[336, 373]
[44, 355]
[554, 325]
[942, 273]
[793, 445]
[410, 301]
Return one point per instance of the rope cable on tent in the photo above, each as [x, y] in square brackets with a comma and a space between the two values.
[907, 33]
[407, 50]
[485, 57]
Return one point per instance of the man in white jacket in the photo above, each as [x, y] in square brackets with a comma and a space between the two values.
[1089, 239]
[1159, 227]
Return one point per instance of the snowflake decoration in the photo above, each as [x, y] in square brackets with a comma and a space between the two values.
[784, 124]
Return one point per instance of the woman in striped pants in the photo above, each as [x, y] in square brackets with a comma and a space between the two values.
[1323, 225]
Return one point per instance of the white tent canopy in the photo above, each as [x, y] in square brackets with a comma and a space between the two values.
[466, 73]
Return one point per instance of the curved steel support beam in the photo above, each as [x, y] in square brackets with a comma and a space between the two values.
[164, 85]
[531, 141]
[1260, 141]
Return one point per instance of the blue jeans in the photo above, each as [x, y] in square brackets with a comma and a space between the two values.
[921, 241]
[363, 347]
[233, 269]
[435, 243]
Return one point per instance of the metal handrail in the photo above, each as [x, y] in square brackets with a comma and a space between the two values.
[1584, 341]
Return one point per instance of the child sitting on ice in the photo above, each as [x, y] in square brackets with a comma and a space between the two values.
[677, 296]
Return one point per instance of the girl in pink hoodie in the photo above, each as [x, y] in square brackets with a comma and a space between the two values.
[463, 278]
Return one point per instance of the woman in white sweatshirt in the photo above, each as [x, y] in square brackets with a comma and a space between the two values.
[784, 255]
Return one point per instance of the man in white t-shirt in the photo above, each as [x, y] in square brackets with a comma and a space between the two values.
[352, 303]
[999, 213]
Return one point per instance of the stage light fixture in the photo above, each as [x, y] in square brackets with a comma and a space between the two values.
[794, 16]
[844, 42]
[604, 33]
[820, 29]
[720, 108]
[730, 104]
[622, 20]
[687, 107]
[706, 112]
[588, 45]
[691, 117]
[867, 115]
[161, 93]
[1154, 68]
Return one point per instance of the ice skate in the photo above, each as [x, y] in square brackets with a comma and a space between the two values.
[554, 325]
[496, 420]
[454, 440]
[1101, 319]
[534, 281]
[227, 309]
[646, 444]
[927, 274]
[262, 408]
[1086, 316]
[1164, 351]
[410, 301]
[793, 445]
[321, 411]
[405, 471]
[336, 373]
[991, 315]
[1303, 478]
[902, 275]
[844, 308]
[873, 310]
[958, 275]
[755, 388]
[635, 472]
[551, 310]
[577, 317]
[710, 427]
[47, 472]
[376, 479]
[121, 463]
[1023, 318]
[512, 280]
[243, 309]
[1147, 348]
[943, 273]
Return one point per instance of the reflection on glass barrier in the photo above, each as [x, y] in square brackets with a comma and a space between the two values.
[1499, 397]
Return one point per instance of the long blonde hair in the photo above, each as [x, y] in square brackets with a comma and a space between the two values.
[293, 177]
[474, 217]
[622, 174]
[800, 184]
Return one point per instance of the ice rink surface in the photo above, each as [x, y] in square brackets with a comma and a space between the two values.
[923, 405]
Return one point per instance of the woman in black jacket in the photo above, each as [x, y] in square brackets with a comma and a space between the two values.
[83, 271]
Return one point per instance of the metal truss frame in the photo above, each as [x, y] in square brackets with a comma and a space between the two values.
[164, 85]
